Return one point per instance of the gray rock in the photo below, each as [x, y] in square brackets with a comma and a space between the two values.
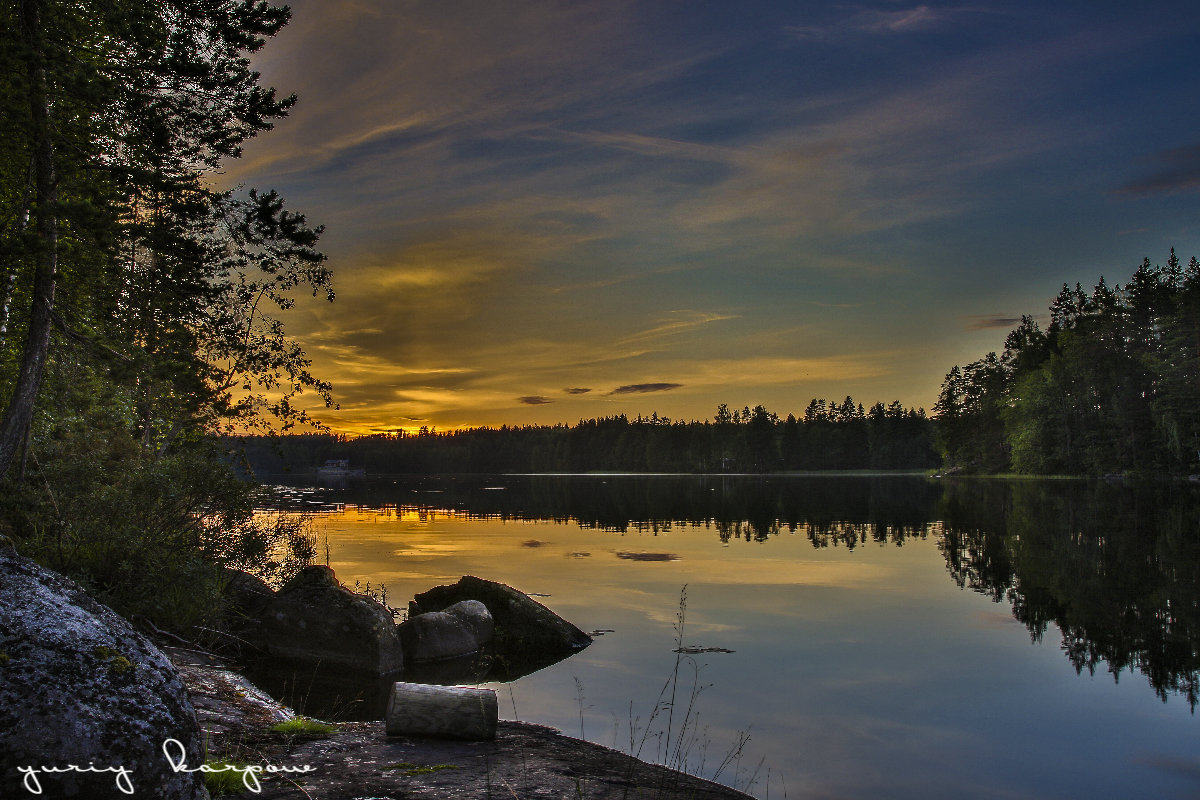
[524, 628]
[80, 688]
[228, 706]
[313, 618]
[475, 616]
[458, 631]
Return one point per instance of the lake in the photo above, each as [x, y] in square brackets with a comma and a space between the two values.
[875, 637]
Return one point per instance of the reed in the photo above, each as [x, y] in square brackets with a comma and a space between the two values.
[673, 724]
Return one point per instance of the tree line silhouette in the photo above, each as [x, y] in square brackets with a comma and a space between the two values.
[1110, 386]
[828, 436]
[835, 509]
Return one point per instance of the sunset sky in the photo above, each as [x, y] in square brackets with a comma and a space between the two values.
[539, 212]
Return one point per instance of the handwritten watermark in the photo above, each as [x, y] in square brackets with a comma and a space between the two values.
[33, 784]
[250, 772]
[176, 755]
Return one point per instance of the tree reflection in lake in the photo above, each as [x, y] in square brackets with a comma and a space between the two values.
[1116, 567]
[756, 507]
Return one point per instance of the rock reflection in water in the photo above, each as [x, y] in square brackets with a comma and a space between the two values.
[330, 693]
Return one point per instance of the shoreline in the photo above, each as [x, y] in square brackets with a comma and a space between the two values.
[358, 759]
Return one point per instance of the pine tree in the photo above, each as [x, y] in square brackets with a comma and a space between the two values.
[119, 108]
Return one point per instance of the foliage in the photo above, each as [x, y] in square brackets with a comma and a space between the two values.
[411, 769]
[140, 309]
[1110, 386]
[223, 777]
[146, 534]
[112, 232]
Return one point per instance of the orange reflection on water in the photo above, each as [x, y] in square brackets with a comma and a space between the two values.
[577, 570]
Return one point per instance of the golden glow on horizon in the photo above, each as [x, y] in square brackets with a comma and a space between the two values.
[534, 199]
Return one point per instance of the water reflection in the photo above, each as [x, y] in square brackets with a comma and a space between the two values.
[757, 507]
[322, 692]
[332, 693]
[1116, 568]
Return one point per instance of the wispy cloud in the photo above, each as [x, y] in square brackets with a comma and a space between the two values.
[767, 371]
[1175, 170]
[674, 324]
[645, 388]
[902, 21]
[876, 22]
[547, 194]
[983, 322]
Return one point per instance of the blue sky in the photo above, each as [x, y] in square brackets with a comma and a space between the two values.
[672, 205]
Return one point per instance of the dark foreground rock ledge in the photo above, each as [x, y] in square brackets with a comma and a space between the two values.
[524, 761]
[83, 693]
[360, 761]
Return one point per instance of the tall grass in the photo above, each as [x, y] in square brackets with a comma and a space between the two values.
[680, 742]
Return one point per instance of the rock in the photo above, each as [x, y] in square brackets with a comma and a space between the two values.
[458, 631]
[360, 760]
[246, 595]
[475, 616]
[228, 706]
[80, 688]
[525, 630]
[529, 761]
[435, 636]
[313, 618]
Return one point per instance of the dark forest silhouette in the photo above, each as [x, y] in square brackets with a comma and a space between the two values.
[1111, 385]
[829, 436]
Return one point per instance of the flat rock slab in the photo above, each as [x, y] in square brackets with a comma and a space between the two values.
[524, 761]
[227, 705]
[359, 761]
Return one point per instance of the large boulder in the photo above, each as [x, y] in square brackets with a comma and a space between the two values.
[526, 632]
[80, 689]
[246, 596]
[461, 630]
[313, 618]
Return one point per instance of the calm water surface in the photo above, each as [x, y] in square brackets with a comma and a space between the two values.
[890, 637]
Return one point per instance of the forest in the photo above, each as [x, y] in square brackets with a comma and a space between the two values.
[140, 307]
[828, 436]
[1110, 387]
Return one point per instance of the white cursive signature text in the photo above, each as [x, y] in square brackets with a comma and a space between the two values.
[177, 758]
[176, 755]
[34, 786]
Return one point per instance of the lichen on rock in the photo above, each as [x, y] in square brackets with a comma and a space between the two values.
[81, 687]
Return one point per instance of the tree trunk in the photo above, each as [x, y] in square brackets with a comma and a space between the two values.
[10, 283]
[19, 414]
